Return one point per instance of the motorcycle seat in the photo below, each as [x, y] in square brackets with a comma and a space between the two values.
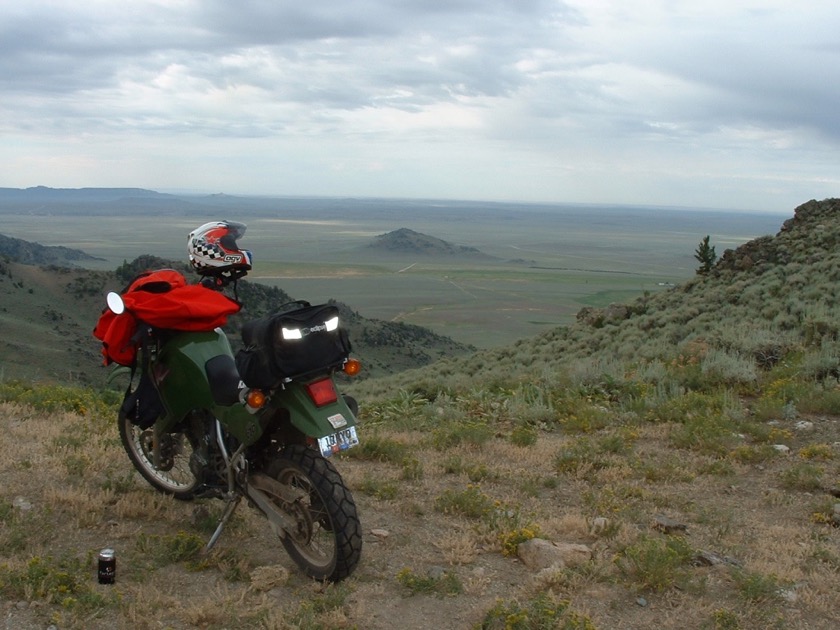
[224, 379]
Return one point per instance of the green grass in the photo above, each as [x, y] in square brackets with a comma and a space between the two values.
[675, 409]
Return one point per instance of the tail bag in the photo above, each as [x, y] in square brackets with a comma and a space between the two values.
[292, 344]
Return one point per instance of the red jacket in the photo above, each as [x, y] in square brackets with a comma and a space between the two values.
[161, 299]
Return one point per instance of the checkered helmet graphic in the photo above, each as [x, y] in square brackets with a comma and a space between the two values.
[213, 249]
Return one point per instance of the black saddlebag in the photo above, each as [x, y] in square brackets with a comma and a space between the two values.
[292, 344]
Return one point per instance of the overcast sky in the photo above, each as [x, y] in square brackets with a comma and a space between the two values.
[710, 103]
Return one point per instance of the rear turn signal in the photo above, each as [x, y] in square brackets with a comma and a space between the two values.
[255, 399]
[352, 367]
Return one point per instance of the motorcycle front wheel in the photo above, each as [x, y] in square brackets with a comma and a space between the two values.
[171, 475]
[327, 541]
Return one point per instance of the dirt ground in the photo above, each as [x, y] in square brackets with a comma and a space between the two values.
[68, 492]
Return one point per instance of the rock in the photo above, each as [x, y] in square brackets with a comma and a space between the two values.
[436, 573]
[22, 504]
[781, 448]
[711, 559]
[668, 525]
[599, 525]
[804, 425]
[835, 516]
[538, 554]
[641, 601]
[380, 533]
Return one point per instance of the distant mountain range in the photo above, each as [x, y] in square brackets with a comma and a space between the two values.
[44, 201]
[45, 193]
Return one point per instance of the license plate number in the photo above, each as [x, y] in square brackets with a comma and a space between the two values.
[338, 441]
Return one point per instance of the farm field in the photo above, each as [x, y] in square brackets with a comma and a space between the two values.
[541, 264]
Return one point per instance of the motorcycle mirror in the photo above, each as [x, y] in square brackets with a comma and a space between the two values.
[115, 303]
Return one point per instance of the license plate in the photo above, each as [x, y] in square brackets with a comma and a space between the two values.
[338, 441]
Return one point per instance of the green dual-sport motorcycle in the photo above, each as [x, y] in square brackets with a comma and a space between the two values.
[214, 436]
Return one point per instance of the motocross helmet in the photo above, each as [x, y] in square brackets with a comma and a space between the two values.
[214, 252]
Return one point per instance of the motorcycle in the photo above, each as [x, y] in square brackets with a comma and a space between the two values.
[201, 422]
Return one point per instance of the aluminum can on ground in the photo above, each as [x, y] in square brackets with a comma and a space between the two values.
[107, 566]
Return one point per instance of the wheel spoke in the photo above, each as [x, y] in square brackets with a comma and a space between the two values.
[172, 474]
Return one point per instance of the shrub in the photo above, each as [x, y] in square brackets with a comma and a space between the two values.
[379, 487]
[65, 581]
[576, 456]
[470, 502]
[755, 587]
[720, 367]
[510, 540]
[686, 405]
[821, 401]
[708, 434]
[656, 563]
[444, 584]
[803, 476]
[523, 436]
[823, 452]
[376, 447]
[52, 398]
[540, 612]
[466, 433]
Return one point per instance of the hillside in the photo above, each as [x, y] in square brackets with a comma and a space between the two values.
[406, 242]
[771, 297]
[669, 463]
[49, 309]
[29, 253]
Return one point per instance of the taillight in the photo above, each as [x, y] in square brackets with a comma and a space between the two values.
[322, 392]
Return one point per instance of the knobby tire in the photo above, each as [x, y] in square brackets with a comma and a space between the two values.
[328, 545]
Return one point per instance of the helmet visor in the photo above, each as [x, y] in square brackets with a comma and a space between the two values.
[234, 231]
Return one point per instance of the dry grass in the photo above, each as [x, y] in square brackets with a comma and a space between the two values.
[69, 492]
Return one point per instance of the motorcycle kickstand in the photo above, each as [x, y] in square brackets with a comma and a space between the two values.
[232, 498]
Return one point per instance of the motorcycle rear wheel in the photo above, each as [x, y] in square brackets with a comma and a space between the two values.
[173, 475]
[327, 543]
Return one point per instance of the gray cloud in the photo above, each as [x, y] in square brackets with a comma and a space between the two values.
[570, 94]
